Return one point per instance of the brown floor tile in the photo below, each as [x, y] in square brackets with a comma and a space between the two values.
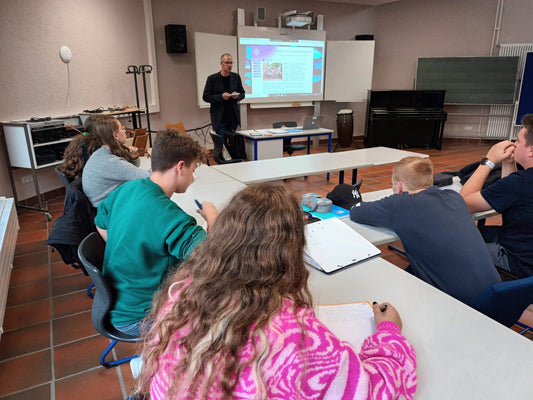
[30, 216]
[72, 328]
[60, 269]
[27, 314]
[70, 283]
[71, 303]
[31, 259]
[56, 207]
[31, 247]
[27, 292]
[36, 273]
[36, 225]
[25, 340]
[129, 380]
[124, 349]
[38, 393]
[54, 255]
[32, 236]
[26, 371]
[79, 356]
[99, 383]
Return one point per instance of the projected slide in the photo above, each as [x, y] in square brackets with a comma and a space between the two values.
[275, 70]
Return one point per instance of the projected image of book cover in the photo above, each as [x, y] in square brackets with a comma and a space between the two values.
[276, 68]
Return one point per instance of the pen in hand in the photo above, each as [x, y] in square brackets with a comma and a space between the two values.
[198, 204]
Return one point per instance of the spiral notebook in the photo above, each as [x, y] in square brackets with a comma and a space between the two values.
[333, 245]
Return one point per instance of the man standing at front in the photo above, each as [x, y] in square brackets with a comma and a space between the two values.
[223, 90]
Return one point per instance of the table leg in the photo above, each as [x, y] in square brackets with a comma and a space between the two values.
[133, 117]
[329, 151]
[354, 176]
[255, 150]
[341, 177]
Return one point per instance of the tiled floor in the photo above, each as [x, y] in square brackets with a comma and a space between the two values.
[50, 349]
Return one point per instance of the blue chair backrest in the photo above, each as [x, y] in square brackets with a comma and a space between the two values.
[506, 301]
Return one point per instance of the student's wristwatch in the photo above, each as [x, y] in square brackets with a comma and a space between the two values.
[486, 161]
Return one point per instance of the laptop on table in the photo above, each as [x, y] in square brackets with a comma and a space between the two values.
[312, 122]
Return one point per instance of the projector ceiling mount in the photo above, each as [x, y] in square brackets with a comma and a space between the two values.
[295, 19]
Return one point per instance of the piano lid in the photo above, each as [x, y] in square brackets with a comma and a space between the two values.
[407, 100]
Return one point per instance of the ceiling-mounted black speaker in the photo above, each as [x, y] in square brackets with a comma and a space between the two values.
[176, 38]
[364, 37]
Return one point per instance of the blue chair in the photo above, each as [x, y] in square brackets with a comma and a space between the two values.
[91, 254]
[506, 301]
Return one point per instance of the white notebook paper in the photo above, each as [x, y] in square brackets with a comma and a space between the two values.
[332, 245]
[351, 322]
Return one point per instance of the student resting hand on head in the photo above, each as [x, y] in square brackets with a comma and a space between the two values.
[112, 164]
[236, 320]
[511, 244]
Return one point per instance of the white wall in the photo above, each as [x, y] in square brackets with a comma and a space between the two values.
[104, 36]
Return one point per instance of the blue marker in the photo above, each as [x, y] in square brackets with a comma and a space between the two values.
[198, 204]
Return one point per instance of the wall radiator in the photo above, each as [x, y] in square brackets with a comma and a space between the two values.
[503, 127]
[9, 227]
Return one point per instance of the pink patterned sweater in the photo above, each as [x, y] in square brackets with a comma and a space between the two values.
[385, 368]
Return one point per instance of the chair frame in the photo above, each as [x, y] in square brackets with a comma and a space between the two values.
[91, 254]
[288, 147]
[64, 179]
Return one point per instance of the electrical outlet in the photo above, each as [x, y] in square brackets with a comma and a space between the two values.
[468, 127]
[27, 179]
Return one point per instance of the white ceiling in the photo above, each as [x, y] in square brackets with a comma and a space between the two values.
[362, 2]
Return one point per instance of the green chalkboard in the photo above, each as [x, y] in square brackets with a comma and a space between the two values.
[470, 80]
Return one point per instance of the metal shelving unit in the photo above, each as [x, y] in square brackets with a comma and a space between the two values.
[20, 152]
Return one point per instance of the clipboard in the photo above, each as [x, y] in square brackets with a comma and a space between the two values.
[333, 245]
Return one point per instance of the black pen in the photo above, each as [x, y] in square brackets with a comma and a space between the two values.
[198, 204]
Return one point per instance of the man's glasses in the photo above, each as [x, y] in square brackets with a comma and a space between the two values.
[228, 62]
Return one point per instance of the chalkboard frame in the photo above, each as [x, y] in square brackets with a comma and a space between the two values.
[470, 80]
[525, 100]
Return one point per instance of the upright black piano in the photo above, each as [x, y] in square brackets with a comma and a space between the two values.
[405, 118]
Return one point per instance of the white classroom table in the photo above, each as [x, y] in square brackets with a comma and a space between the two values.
[312, 164]
[461, 353]
[262, 144]
[208, 185]
[218, 193]
[203, 175]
